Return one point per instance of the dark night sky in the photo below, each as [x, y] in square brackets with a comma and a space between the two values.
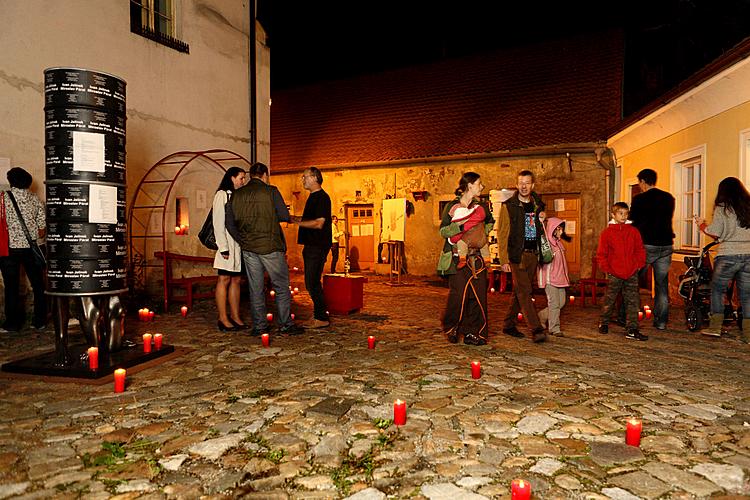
[666, 40]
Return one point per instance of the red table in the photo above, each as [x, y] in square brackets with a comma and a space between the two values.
[343, 294]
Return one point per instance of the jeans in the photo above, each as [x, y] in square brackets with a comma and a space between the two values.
[314, 258]
[10, 267]
[660, 258]
[524, 275]
[727, 267]
[274, 264]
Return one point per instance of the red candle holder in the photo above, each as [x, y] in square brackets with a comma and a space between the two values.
[571, 299]
[269, 317]
[146, 342]
[399, 412]
[633, 430]
[640, 315]
[93, 353]
[177, 230]
[371, 342]
[296, 290]
[520, 490]
[648, 313]
[292, 315]
[157, 341]
[272, 293]
[476, 369]
[120, 380]
[151, 315]
[492, 290]
[520, 316]
[266, 339]
[184, 311]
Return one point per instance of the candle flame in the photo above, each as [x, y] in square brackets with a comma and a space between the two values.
[521, 483]
[399, 402]
[634, 421]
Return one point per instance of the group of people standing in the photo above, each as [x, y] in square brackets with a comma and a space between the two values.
[636, 238]
[247, 217]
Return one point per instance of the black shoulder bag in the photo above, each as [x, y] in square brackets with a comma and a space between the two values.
[206, 235]
[39, 257]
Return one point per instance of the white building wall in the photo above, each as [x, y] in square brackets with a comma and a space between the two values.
[175, 101]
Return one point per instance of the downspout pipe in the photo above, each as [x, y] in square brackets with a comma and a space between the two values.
[252, 79]
[606, 159]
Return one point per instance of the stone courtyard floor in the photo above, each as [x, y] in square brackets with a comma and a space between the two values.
[310, 417]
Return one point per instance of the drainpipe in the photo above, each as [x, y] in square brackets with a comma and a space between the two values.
[252, 75]
[609, 166]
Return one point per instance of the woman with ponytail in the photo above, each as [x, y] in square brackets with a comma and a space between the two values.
[464, 225]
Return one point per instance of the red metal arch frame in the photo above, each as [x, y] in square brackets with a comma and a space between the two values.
[165, 172]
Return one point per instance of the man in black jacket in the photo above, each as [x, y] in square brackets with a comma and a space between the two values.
[520, 224]
[651, 212]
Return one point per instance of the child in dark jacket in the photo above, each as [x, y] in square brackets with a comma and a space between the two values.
[621, 254]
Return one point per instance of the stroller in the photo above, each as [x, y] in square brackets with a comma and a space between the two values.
[695, 288]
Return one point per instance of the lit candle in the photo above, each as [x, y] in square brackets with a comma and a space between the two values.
[183, 311]
[146, 342]
[266, 339]
[269, 317]
[140, 314]
[292, 315]
[93, 353]
[295, 268]
[520, 316]
[633, 432]
[296, 290]
[648, 313]
[183, 228]
[533, 299]
[371, 342]
[520, 490]
[399, 412]
[157, 340]
[571, 299]
[120, 380]
[151, 315]
[640, 315]
[647, 307]
[273, 293]
[492, 290]
[476, 369]
[177, 230]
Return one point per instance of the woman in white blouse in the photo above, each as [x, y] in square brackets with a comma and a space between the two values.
[228, 258]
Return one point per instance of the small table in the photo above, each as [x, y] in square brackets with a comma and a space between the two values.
[343, 294]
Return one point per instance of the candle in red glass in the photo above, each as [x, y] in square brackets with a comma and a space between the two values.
[633, 432]
[292, 315]
[399, 412]
[177, 230]
[183, 311]
[492, 290]
[571, 299]
[640, 315]
[183, 228]
[120, 380]
[520, 316]
[296, 290]
[272, 293]
[648, 313]
[146, 342]
[476, 369]
[151, 315]
[93, 353]
[371, 342]
[269, 317]
[140, 314]
[157, 341]
[520, 490]
[266, 339]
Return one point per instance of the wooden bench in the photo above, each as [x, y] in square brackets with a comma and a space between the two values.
[188, 283]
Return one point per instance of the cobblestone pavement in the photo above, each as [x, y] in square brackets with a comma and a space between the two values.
[310, 417]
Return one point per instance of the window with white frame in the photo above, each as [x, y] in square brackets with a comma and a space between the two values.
[688, 181]
[155, 20]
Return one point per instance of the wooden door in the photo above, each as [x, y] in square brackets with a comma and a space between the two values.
[567, 206]
[360, 236]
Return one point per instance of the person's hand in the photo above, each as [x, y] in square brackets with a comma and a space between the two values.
[542, 216]
[295, 219]
[225, 255]
[505, 268]
[699, 220]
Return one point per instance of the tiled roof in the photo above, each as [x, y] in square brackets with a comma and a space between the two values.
[561, 92]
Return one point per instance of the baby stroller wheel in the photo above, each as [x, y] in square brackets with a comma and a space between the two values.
[693, 317]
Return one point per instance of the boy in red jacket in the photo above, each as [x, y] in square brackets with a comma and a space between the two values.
[621, 254]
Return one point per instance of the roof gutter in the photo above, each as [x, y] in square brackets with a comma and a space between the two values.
[579, 148]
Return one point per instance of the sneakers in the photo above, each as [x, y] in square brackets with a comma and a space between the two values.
[316, 323]
[513, 332]
[293, 329]
[539, 335]
[635, 334]
[603, 328]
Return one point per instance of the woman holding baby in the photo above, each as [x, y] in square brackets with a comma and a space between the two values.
[464, 225]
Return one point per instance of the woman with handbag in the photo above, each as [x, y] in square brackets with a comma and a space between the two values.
[25, 219]
[228, 259]
[465, 224]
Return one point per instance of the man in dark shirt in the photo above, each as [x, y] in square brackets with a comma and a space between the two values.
[651, 212]
[520, 224]
[315, 235]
